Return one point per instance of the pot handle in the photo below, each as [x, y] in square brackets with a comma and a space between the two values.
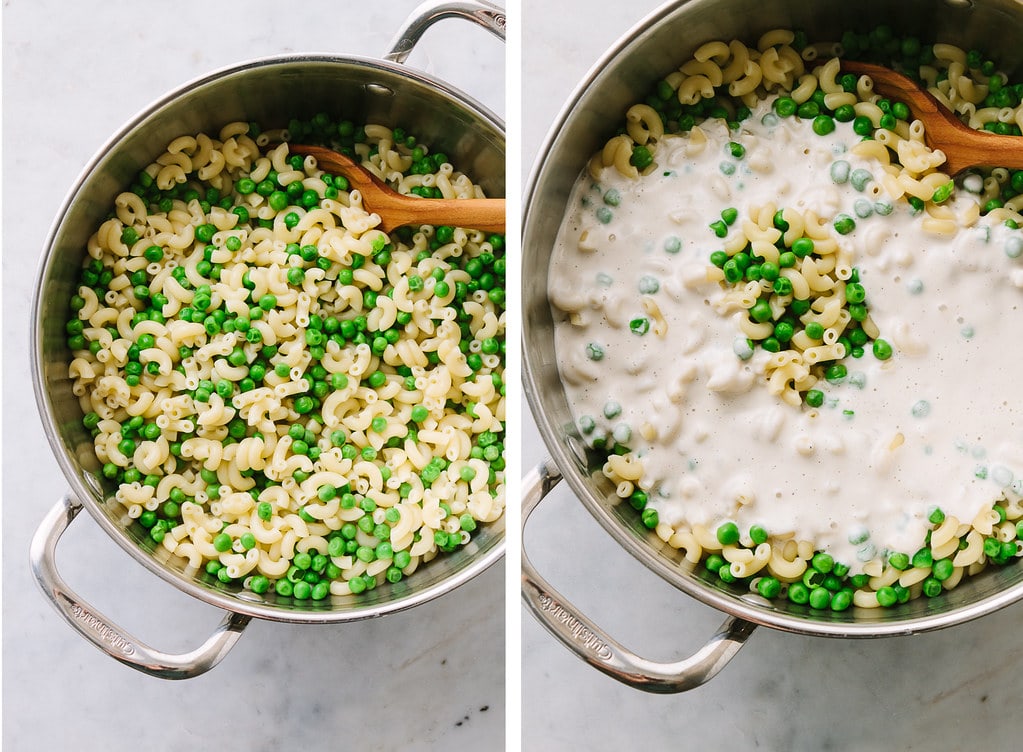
[102, 632]
[592, 644]
[487, 15]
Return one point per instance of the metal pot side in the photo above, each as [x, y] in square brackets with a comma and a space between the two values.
[657, 45]
[271, 92]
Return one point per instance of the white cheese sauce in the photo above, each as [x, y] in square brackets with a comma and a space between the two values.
[939, 424]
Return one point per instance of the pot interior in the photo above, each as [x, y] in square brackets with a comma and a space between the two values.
[655, 47]
[271, 93]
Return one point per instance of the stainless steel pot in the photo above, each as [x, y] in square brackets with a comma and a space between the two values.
[626, 72]
[270, 91]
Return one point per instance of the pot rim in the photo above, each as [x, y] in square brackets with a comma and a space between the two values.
[241, 602]
[747, 606]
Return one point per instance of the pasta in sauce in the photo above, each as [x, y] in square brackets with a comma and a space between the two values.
[785, 326]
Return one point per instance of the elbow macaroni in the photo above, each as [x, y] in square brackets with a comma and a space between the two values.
[260, 401]
[905, 169]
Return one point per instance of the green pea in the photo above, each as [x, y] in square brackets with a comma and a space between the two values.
[783, 331]
[822, 562]
[798, 593]
[823, 125]
[320, 590]
[808, 110]
[129, 236]
[835, 373]
[841, 600]
[882, 350]
[761, 311]
[886, 596]
[641, 157]
[845, 113]
[943, 192]
[728, 534]
[855, 292]
[733, 272]
[899, 561]
[803, 247]
[724, 573]
[814, 330]
[785, 106]
[769, 587]
[942, 569]
[923, 558]
[819, 598]
[304, 404]
[844, 224]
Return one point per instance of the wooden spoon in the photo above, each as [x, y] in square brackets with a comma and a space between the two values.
[964, 147]
[396, 209]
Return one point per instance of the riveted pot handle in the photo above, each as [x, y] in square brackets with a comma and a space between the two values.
[593, 645]
[490, 17]
[102, 632]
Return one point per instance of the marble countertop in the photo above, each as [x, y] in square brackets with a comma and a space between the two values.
[955, 689]
[428, 678]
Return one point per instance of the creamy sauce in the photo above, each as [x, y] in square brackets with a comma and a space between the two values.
[939, 424]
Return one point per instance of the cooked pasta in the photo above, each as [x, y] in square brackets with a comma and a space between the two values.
[741, 436]
[279, 392]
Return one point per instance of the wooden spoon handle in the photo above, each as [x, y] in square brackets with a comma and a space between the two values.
[484, 214]
[963, 146]
[987, 150]
[396, 209]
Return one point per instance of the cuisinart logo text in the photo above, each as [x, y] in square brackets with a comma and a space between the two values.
[579, 631]
[105, 632]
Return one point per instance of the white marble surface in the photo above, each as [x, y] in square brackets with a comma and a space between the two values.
[957, 689]
[424, 679]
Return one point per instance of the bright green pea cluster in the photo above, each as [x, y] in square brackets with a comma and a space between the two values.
[789, 315]
[827, 584]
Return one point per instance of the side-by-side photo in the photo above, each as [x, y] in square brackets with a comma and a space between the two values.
[770, 284]
[254, 395]
[481, 375]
